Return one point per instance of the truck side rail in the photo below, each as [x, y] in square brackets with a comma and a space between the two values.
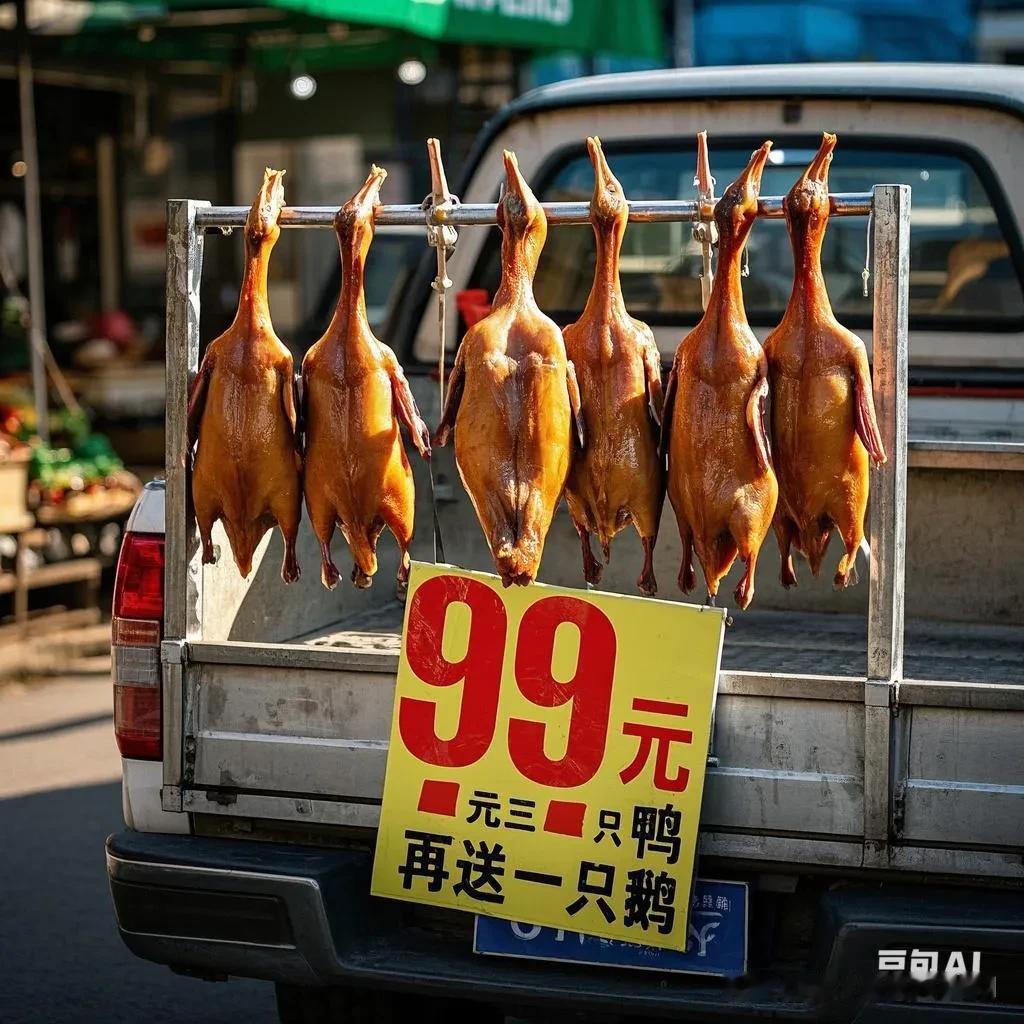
[864, 784]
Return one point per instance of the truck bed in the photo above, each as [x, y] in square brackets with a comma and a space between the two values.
[800, 643]
[297, 732]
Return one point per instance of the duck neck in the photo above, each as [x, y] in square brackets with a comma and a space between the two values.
[606, 291]
[352, 300]
[518, 266]
[809, 290]
[253, 305]
[727, 292]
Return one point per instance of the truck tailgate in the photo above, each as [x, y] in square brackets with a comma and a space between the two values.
[298, 732]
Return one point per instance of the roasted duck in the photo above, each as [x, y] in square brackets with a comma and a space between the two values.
[242, 410]
[720, 478]
[618, 479]
[512, 399]
[354, 397]
[823, 414]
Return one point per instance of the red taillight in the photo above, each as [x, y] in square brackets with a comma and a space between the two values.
[136, 630]
[138, 721]
[139, 586]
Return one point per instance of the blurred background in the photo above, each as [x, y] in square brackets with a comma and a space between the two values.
[128, 103]
[107, 109]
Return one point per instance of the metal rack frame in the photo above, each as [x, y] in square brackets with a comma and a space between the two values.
[889, 207]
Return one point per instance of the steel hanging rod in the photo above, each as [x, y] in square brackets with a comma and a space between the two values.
[647, 211]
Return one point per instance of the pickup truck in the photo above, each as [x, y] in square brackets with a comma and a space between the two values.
[865, 817]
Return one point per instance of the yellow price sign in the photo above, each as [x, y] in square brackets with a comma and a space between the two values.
[547, 755]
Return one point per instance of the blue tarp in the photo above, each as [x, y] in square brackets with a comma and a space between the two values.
[749, 32]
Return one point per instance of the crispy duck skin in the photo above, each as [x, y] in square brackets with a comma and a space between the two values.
[720, 478]
[618, 479]
[354, 397]
[512, 399]
[242, 410]
[823, 415]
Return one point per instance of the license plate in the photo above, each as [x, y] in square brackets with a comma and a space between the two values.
[717, 942]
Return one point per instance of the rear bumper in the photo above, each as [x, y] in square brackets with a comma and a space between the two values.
[304, 916]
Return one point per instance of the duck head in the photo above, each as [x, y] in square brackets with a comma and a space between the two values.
[609, 205]
[736, 211]
[807, 204]
[520, 217]
[261, 226]
[354, 221]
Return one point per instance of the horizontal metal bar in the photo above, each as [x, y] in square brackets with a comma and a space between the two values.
[1006, 696]
[293, 656]
[790, 687]
[939, 454]
[851, 204]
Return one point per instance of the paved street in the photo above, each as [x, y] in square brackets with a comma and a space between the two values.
[60, 796]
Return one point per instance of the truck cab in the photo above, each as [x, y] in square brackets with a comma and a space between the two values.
[253, 720]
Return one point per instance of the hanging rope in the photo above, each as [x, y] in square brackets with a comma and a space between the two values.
[705, 233]
[442, 238]
[865, 274]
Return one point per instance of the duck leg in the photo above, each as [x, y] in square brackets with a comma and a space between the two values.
[322, 517]
[745, 587]
[329, 574]
[290, 571]
[785, 531]
[206, 516]
[852, 533]
[592, 568]
[362, 542]
[646, 583]
[399, 521]
[286, 508]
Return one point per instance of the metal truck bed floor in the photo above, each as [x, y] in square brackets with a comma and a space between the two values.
[791, 642]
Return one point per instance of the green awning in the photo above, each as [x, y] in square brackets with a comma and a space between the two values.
[632, 28]
[623, 28]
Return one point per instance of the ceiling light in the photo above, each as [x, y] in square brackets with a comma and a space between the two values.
[19, 169]
[302, 87]
[412, 72]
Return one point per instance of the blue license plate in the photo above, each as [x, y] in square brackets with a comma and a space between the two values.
[717, 942]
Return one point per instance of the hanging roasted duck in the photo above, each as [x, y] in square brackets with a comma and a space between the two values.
[512, 399]
[720, 478]
[242, 411]
[618, 478]
[823, 415]
[355, 395]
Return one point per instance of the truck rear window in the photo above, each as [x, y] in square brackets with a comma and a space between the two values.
[962, 271]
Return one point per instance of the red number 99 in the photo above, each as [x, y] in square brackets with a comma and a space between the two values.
[479, 670]
[590, 690]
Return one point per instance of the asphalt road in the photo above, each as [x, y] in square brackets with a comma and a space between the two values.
[61, 959]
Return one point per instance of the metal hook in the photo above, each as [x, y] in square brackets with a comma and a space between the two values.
[705, 234]
[442, 237]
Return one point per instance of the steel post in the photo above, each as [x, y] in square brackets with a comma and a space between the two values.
[888, 509]
[182, 577]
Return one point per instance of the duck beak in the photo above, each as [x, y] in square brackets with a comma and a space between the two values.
[514, 181]
[266, 208]
[753, 171]
[603, 177]
[369, 193]
[818, 168]
[271, 197]
[703, 175]
[601, 170]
